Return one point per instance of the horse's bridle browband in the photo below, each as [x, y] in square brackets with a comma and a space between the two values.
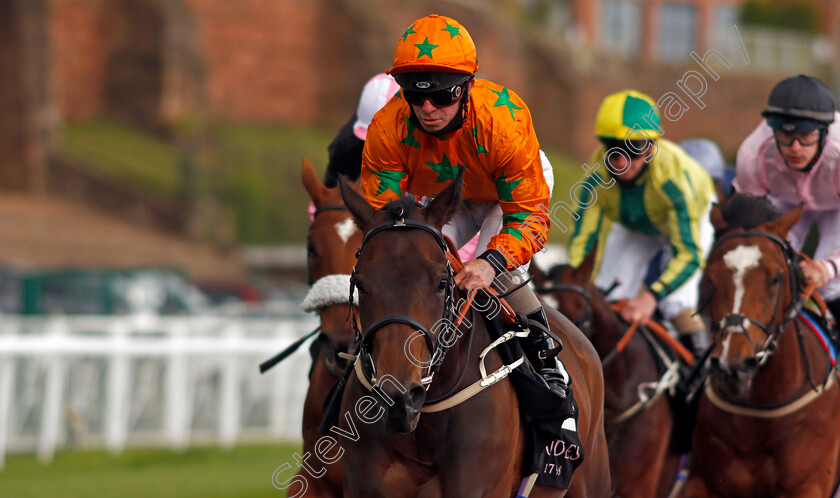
[403, 223]
[737, 320]
[365, 338]
[328, 207]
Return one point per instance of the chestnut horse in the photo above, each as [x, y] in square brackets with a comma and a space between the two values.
[406, 287]
[768, 420]
[331, 245]
[643, 461]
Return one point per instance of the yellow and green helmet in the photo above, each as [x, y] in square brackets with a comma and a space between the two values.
[620, 112]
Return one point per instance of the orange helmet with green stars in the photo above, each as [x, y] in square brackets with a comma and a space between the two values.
[435, 44]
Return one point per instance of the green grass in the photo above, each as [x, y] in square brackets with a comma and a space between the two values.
[198, 472]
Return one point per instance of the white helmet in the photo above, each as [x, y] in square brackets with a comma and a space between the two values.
[378, 91]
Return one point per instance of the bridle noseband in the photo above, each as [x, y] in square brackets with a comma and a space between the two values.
[364, 338]
[738, 323]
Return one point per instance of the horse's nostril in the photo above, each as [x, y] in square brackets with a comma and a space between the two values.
[749, 364]
[417, 395]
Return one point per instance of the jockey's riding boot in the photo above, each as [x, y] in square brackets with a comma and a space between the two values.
[542, 353]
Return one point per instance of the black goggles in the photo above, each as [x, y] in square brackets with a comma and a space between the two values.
[635, 149]
[440, 98]
[805, 138]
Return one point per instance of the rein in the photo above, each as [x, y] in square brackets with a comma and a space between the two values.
[282, 355]
[733, 321]
[737, 323]
[669, 379]
[363, 363]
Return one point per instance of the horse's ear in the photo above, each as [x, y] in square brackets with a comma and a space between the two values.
[717, 219]
[445, 204]
[311, 182]
[537, 275]
[583, 273]
[361, 210]
[787, 220]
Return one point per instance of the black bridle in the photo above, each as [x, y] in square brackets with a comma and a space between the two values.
[737, 323]
[271, 362]
[364, 339]
[586, 325]
[329, 207]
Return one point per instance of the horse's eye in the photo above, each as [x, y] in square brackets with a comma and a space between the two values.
[310, 250]
[360, 287]
[442, 285]
[777, 278]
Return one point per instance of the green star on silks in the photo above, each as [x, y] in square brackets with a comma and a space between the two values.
[505, 188]
[408, 32]
[504, 99]
[425, 48]
[518, 218]
[479, 149]
[409, 135]
[445, 170]
[452, 30]
[389, 180]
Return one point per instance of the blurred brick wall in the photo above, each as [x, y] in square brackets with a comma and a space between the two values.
[28, 120]
[304, 63]
[78, 43]
[259, 56]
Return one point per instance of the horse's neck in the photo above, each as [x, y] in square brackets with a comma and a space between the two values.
[607, 329]
[472, 338]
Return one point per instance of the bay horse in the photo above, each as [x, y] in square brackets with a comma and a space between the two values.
[395, 445]
[768, 420]
[331, 244]
[639, 420]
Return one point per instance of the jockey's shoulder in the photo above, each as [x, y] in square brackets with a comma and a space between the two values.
[672, 163]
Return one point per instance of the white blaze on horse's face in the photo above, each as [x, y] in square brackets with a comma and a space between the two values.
[345, 229]
[740, 260]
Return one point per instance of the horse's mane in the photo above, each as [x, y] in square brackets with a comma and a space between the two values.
[400, 208]
[748, 211]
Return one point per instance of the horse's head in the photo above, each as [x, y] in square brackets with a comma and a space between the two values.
[405, 287]
[747, 288]
[570, 287]
[330, 246]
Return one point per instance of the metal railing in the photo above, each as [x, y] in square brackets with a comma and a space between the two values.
[79, 382]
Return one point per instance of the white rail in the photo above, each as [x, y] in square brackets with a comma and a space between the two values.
[71, 382]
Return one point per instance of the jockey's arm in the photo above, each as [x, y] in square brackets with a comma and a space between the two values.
[523, 196]
[588, 221]
[384, 177]
[684, 238]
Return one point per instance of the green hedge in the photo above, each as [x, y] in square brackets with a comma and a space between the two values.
[252, 171]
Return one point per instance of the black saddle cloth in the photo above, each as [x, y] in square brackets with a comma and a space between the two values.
[554, 449]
